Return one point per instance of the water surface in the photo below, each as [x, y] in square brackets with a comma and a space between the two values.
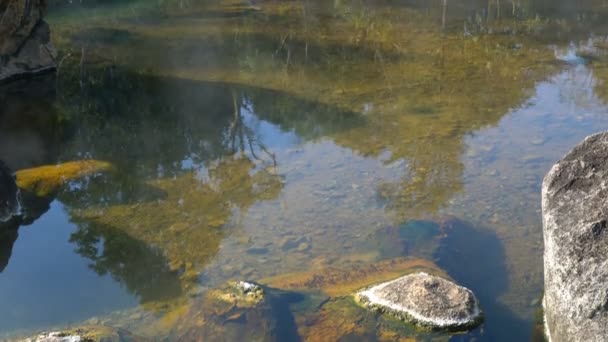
[256, 139]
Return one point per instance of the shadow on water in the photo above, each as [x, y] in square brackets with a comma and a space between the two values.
[475, 258]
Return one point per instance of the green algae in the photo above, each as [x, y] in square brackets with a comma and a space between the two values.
[188, 224]
[229, 313]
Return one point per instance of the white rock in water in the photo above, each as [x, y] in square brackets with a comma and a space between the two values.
[245, 286]
[425, 300]
[54, 337]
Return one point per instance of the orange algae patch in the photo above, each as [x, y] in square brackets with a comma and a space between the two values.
[343, 320]
[340, 317]
[333, 322]
[342, 282]
[45, 180]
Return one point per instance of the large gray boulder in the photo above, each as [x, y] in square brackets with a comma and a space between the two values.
[425, 300]
[25, 42]
[575, 214]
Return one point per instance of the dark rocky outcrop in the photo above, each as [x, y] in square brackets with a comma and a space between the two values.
[9, 214]
[575, 222]
[25, 44]
[17, 208]
[9, 195]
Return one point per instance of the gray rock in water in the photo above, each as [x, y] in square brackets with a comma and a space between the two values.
[426, 300]
[575, 214]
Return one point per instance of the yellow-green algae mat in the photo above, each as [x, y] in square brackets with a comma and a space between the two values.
[45, 180]
[315, 305]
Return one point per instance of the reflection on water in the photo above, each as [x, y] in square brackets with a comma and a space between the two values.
[45, 283]
[251, 140]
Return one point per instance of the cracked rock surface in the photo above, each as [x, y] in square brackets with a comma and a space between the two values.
[575, 214]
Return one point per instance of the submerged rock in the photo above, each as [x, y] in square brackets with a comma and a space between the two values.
[426, 300]
[238, 311]
[93, 333]
[337, 282]
[54, 336]
[315, 305]
[25, 46]
[575, 218]
[329, 312]
[242, 293]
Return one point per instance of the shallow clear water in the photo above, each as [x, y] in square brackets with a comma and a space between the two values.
[255, 140]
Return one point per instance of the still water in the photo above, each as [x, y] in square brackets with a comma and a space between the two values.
[258, 139]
